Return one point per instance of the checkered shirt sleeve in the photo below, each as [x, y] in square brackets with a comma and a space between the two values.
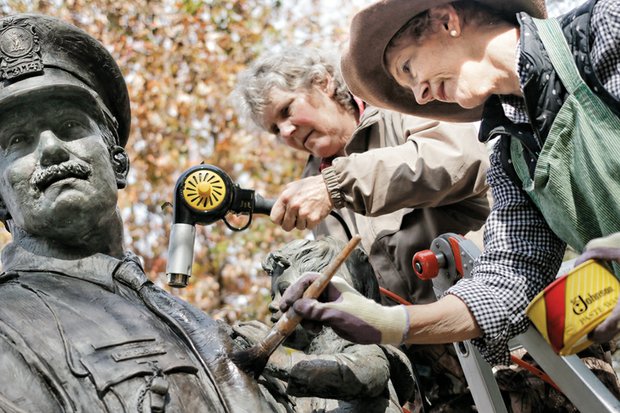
[522, 255]
[605, 36]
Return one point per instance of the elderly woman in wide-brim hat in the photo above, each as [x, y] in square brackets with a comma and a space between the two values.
[533, 82]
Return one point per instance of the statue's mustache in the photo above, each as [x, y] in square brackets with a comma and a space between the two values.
[43, 177]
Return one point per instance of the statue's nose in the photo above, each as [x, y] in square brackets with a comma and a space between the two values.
[274, 309]
[274, 306]
[52, 149]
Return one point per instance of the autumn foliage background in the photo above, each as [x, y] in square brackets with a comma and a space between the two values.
[180, 59]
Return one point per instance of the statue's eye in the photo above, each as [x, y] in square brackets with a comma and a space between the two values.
[16, 140]
[71, 124]
[72, 129]
[282, 287]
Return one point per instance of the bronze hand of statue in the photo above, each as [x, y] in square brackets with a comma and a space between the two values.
[281, 361]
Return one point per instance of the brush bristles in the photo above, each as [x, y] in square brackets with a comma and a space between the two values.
[252, 360]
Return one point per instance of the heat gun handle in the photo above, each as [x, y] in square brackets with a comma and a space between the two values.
[262, 205]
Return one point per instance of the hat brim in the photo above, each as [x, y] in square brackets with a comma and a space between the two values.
[51, 84]
[363, 64]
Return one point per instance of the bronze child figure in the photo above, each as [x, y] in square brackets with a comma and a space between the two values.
[322, 371]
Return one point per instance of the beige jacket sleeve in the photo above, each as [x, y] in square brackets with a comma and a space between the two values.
[418, 163]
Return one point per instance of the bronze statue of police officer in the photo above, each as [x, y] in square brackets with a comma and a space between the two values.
[81, 327]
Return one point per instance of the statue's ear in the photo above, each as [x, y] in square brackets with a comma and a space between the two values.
[363, 275]
[120, 164]
[4, 214]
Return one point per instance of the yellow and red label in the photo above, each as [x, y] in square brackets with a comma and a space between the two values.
[573, 305]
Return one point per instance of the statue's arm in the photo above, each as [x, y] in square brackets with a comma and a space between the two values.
[353, 371]
[356, 372]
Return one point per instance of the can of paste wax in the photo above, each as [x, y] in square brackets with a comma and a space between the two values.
[573, 305]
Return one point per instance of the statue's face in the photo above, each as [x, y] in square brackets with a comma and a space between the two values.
[281, 278]
[56, 176]
[280, 281]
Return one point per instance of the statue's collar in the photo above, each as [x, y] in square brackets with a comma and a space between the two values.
[97, 268]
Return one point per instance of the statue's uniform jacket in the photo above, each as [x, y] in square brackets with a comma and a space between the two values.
[94, 335]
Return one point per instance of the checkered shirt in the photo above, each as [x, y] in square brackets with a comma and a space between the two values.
[522, 255]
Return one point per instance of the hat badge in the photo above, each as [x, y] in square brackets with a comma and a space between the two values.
[19, 50]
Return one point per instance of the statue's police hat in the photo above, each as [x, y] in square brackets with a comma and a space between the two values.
[44, 55]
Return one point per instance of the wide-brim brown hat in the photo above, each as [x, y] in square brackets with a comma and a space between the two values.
[372, 28]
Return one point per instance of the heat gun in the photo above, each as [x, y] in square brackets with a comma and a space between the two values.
[203, 195]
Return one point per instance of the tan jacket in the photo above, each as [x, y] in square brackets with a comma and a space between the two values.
[421, 179]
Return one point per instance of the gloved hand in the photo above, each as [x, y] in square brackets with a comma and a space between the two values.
[604, 249]
[351, 315]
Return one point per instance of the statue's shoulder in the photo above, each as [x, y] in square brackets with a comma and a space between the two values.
[6, 276]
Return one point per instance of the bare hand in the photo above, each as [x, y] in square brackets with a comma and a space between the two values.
[302, 204]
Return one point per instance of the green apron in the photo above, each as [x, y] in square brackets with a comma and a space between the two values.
[576, 182]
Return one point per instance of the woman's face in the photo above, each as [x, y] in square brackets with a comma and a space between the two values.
[309, 120]
[444, 67]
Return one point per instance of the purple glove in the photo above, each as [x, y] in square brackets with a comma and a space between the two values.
[351, 315]
[604, 249]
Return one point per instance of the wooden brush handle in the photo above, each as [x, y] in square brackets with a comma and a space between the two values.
[316, 288]
[290, 320]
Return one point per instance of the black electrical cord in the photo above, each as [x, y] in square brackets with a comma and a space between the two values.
[345, 227]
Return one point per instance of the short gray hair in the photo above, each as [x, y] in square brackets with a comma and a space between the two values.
[290, 69]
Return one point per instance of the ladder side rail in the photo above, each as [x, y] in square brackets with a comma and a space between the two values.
[571, 375]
